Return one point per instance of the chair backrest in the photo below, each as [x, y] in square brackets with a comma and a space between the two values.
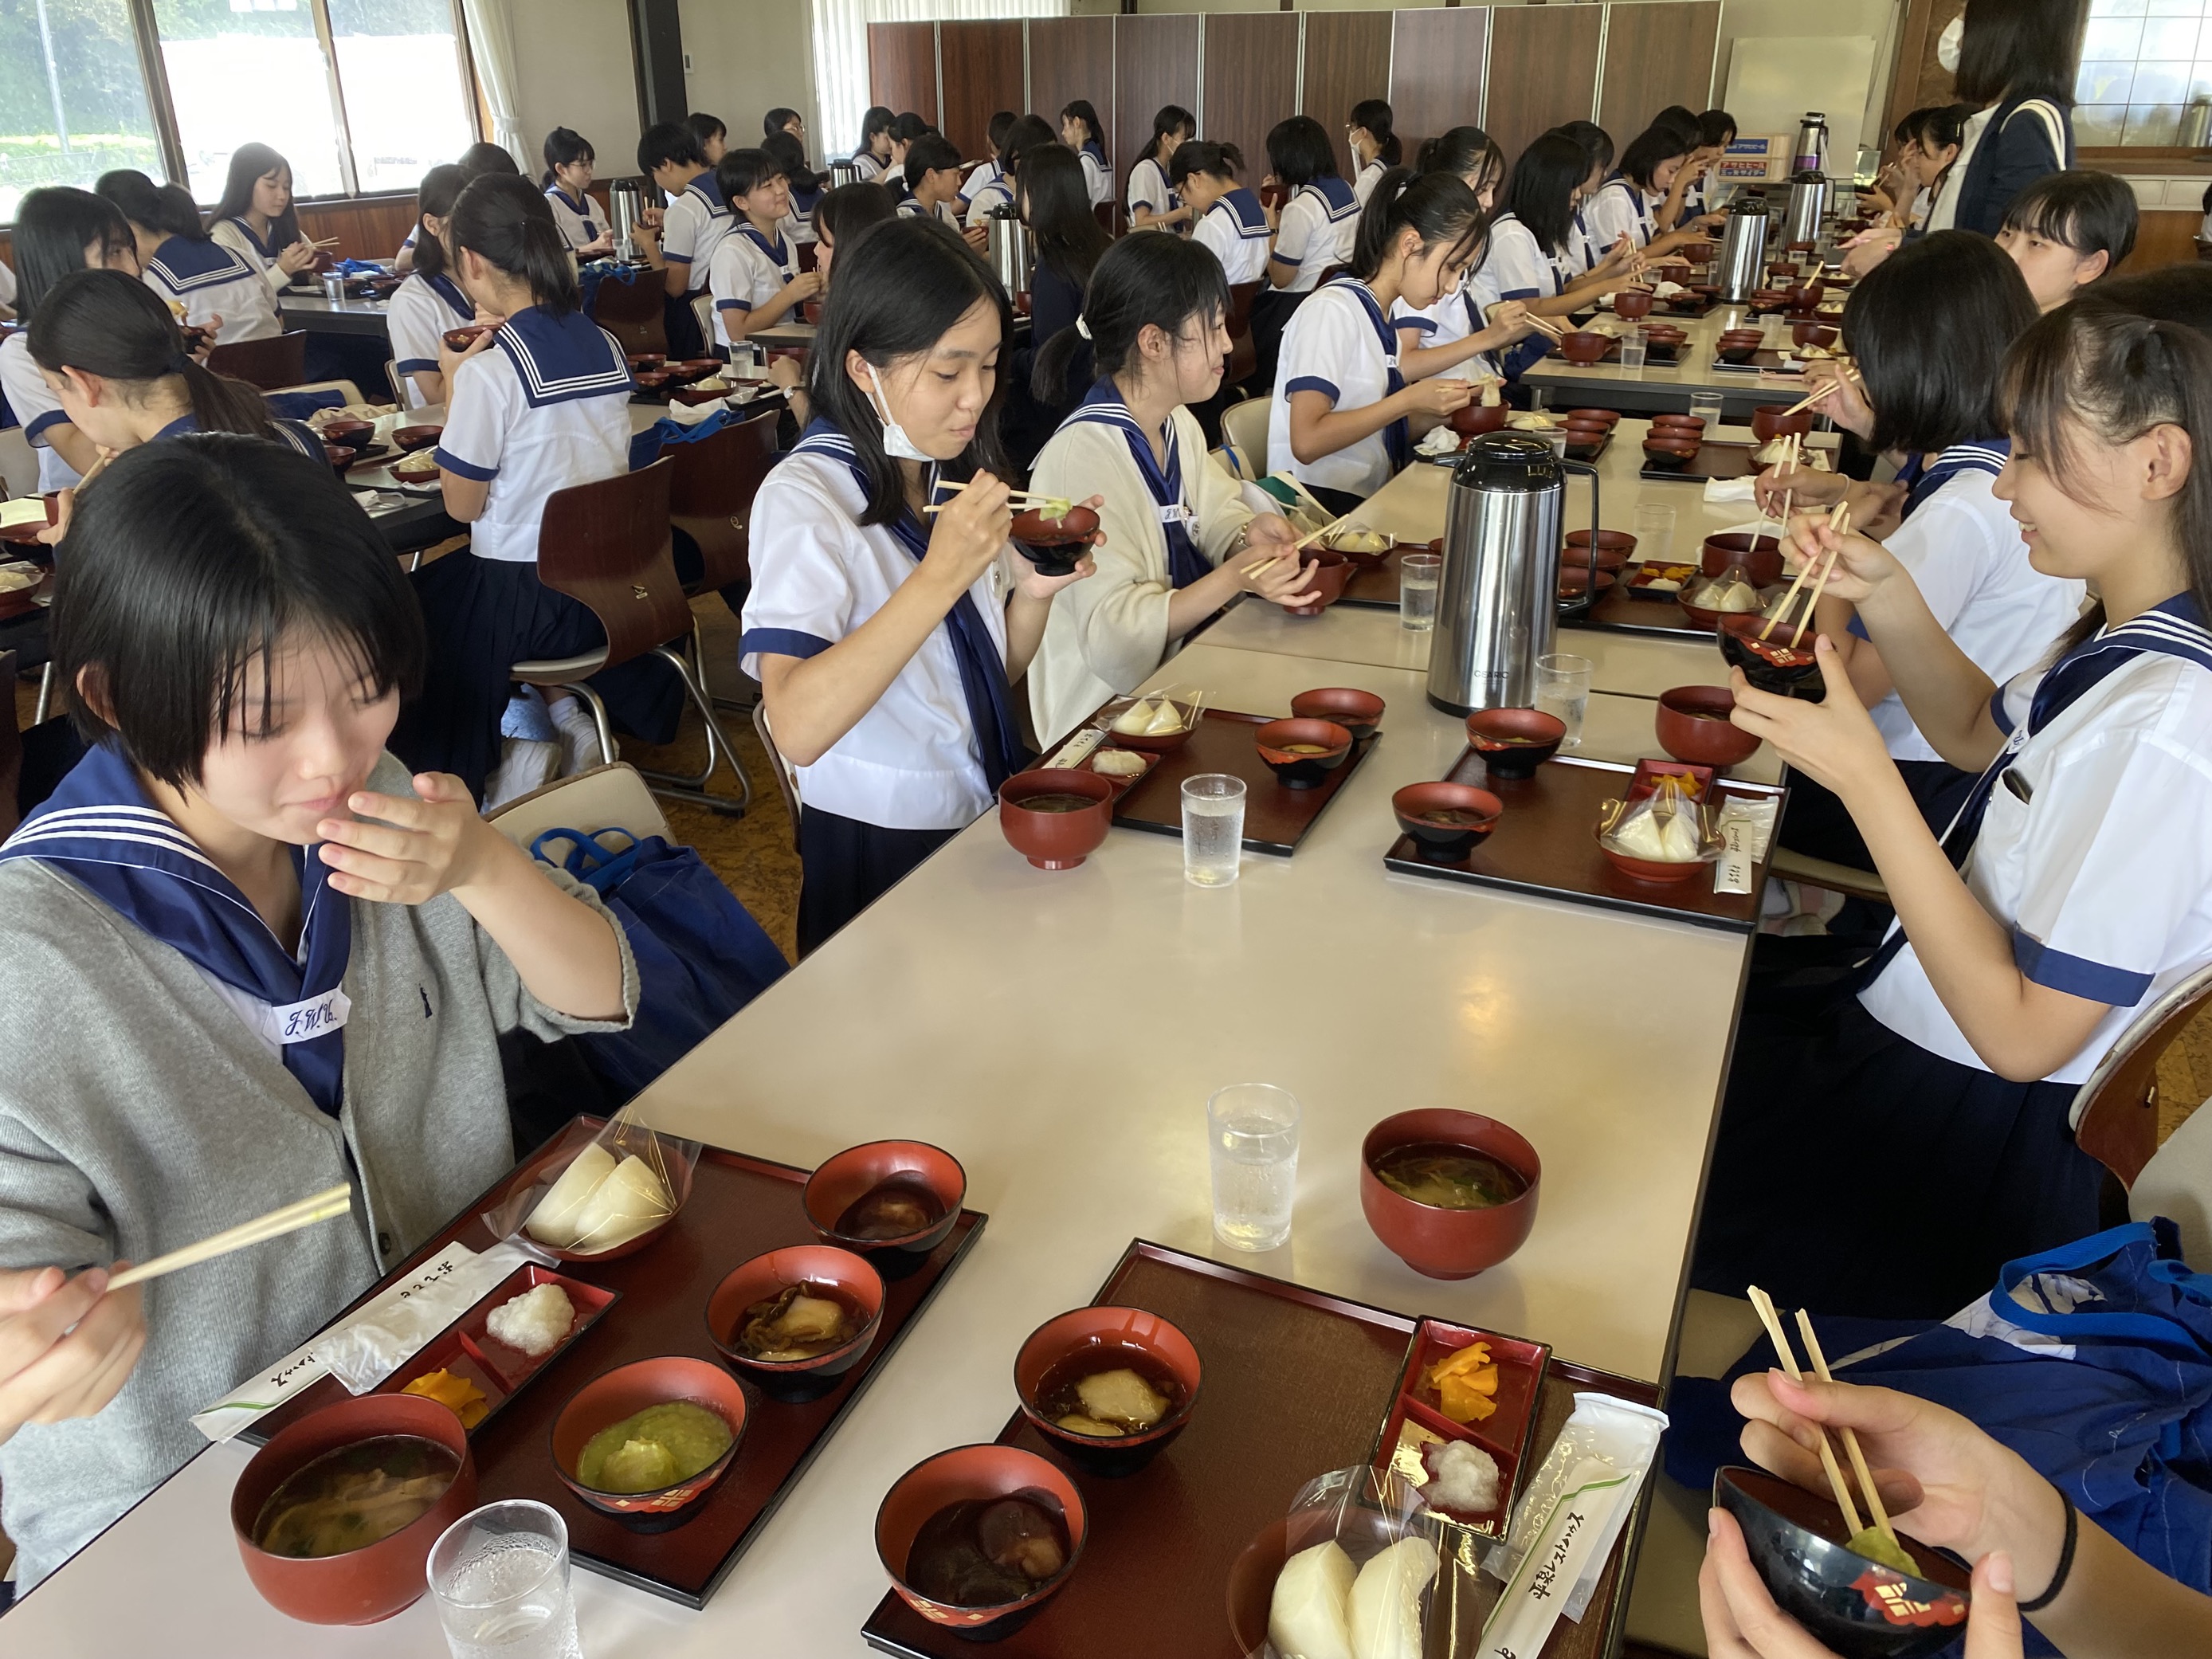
[1240, 295]
[787, 780]
[607, 546]
[604, 798]
[398, 382]
[272, 362]
[2115, 1114]
[631, 312]
[1244, 433]
[345, 389]
[11, 756]
[716, 479]
[808, 253]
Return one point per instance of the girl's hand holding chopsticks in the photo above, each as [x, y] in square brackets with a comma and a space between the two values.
[1805, 487]
[66, 1345]
[1856, 566]
[1834, 741]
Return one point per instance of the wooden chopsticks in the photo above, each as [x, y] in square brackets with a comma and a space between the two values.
[1826, 386]
[1258, 565]
[1021, 499]
[1840, 522]
[1768, 1317]
[1851, 1435]
[323, 1206]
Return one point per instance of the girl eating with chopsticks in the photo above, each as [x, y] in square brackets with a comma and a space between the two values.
[889, 619]
[58, 230]
[1461, 331]
[1642, 200]
[217, 286]
[256, 220]
[1343, 414]
[283, 964]
[1180, 542]
[430, 304]
[1887, 1144]
[1928, 332]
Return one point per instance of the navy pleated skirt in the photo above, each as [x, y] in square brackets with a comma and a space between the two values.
[847, 866]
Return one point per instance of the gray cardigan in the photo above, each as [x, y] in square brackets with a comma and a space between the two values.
[137, 1113]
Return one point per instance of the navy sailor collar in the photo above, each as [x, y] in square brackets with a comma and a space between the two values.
[706, 188]
[1246, 213]
[777, 251]
[450, 291]
[2172, 628]
[245, 225]
[1338, 198]
[1969, 455]
[295, 433]
[186, 263]
[561, 359]
[1103, 405]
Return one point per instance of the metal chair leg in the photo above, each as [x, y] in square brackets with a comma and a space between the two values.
[719, 748]
[609, 754]
[46, 694]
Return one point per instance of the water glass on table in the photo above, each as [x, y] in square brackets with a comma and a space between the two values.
[1706, 406]
[1655, 532]
[500, 1577]
[1212, 829]
[1253, 1131]
[334, 286]
[1563, 688]
[1633, 349]
[1419, 574]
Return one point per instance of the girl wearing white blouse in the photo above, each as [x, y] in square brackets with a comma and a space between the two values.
[429, 303]
[755, 275]
[1374, 148]
[1343, 415]
[255, 219]
[218, 287]
[1178, 536]
[58, 230]
[1645, 196]
[1461, 331]
[568, 181]
[888, 639]
[1152, 202]
[1081, 130]
[1225, 217]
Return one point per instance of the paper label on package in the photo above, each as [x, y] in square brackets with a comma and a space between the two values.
[1580, 1526]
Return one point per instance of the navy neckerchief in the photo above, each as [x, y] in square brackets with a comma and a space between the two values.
[186, 263]
[579, 204]
[561, 359]
[450, 291]
[1246, 213]
[1972, 455]
[259, 246]
[298, 435]
[982, 668]
[1174, 201]
[1103, 405]
[99, 828]
[803, 201]
[1397, 437]
[2172, 628]
[1338, 200]
[778, 253]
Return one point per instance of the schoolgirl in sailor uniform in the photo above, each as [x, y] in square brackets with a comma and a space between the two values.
[1885, 1147]
[693, 226]
[1343, 418]
[1226, 219]
[1459, 334]
[996, 192]
[212, 283]
[568, 182]
[1081, 130]
[887, 642]
[429, 303]
[803, 186]
[874, 153]
[1314, 231]
[255, 219]
[1631, 202]
[756, 279]
[1374, 146]
[282, 965]
[56, 226]
[536, 405]
[1178, 536]
[1151, 199]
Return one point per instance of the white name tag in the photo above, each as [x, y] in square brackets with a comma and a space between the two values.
[1176, 513]
[303, 1022]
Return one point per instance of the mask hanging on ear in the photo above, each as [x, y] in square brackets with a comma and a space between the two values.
[1947, 44]
[897, 444]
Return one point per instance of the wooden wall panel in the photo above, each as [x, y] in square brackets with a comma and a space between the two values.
[367, 228]
[1073, 57]
[1657, 53]
[1348, 58]
[1436, 72]
[1251, 80]
[1155, 63]
[1543, 70]
[902, 67]
[982, 65]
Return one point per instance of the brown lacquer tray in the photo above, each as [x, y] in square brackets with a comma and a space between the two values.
[1712, 460]
[1276, 815]
[1376, 586]
[1765, 361]
[740, 1208]
[1546, 844]
[1616, 611]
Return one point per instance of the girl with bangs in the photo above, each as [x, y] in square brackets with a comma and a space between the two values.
[59, 231]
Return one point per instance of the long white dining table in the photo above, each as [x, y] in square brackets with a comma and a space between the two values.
[1060, 1032]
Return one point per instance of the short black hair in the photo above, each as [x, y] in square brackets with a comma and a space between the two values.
[1653, 147]
[2178, 293]
[54, 225]
[843, 213]
[1002, 123]
[669, 143]
[1596, 143]
[2083, 211]
[703, 127]
[742, 172]
[194, 561]
[441, 188]
[1201, 155]
[1716, 126]
[777, 119]
[931, 153]
[488, 160]
[2018, 49]
[1541, 194]
[1928, 329]
[1299, 152]
[909, 127]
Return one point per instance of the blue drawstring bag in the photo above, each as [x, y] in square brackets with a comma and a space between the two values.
[699, 956]
[298, 406]
[646, 446]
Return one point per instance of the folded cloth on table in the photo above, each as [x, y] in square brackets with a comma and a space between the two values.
[1721, 490]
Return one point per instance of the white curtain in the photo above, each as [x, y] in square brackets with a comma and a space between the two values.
[491, 43]
[841, 51]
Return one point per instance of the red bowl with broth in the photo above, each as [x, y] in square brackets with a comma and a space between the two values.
[961, 1473]
[843, 1179]
[1438, 1243]
[852, 1279]
[1059, 838]
[1094, 1338]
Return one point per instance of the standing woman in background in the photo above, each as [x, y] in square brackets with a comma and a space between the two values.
[58, 230]
[2016, 66]
[429, 303]
[1152, 204]
[874, 153]
[1226, 218]
[1374, 148]
[1082, 131]
[1313, 233]
[217, 286]
[256, 220]
[568, 158]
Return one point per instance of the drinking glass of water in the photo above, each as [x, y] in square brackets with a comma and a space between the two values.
[1253, 1128]
[1418, 576]
[499, 1574]
[1633, 349]
[1706, 406]
[1655, 532]
[1563, 688]
[1212, 828]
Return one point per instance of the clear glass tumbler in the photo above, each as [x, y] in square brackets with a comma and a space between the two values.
[500, 1576]
[1563, 688]
[1633, 349]
[1212, 829]
[1253, 1130]
[1655, 532]
[1706, 406]
[1419, 574]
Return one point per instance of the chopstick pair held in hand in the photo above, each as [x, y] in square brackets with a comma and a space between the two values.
[323, 1206]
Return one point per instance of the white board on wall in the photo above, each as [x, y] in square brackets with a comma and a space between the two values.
[1774, 79]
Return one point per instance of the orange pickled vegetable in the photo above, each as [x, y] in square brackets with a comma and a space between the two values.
[456, 1393]
[1465, 1383]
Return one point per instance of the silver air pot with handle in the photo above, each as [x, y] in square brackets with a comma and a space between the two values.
[1811, 152]
[1009, 250]
[1742, 259]
[1808, 208]
[1496, 596]
[623, 203]
[844, 173]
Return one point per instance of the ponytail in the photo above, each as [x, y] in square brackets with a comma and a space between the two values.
[1468, 151]
[1143, 281]
[562, 146]
[110, 324]
[1438, 205]
[1376, 116]
[1201, 155]
[1171, 119]
[509, 225]
[435, 197]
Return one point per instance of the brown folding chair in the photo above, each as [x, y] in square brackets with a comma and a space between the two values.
[808, 252]
[631, 312]
[787, 780]
[2115, 1114]
[606, 545]
[1243, 356]
[271, 364]
[712, 503]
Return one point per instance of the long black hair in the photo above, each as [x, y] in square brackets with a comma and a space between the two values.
[441, 188]
[1028, 133]
[1541, 194]
[843, 213]
[488, 160]
[2018, 49]
[1652, 149]
[1376, 116]
[1144, 281]
[562, 146]
[878, 119]
[706, 129]
[507, 223]
[1928, 329]
[1717, 128]
[1596, 143]
[790, 157]
[1469, 152]
[54, 225]
[1201, 155]
[163, 208]
[898, 291]
[249, 165]
[1438, 205]
[1299, 152]
[1056, 202]
[1094, 130]
[110, 324]
[195, 560]
[1171, 118]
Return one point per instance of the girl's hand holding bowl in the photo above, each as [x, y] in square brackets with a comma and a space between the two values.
[1835, 741]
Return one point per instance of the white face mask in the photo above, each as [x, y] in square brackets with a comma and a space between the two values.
[1947, 44]
[897, 444]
